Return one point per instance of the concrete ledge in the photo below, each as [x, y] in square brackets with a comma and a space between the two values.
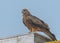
[40, 38]
[26, 38]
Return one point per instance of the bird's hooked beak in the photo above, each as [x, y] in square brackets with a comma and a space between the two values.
[25, 11]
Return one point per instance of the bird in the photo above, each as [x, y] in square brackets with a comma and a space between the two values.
[34, 24]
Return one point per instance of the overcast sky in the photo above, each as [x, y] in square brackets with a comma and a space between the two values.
[11, 16]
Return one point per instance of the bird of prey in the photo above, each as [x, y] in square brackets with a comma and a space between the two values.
[35, 24]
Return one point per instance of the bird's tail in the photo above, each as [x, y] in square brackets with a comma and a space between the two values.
[52, 36]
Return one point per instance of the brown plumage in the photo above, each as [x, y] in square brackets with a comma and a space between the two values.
[35, 24]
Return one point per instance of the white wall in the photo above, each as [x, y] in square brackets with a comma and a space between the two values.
[28, 38]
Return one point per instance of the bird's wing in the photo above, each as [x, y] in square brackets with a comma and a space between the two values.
[36, 22]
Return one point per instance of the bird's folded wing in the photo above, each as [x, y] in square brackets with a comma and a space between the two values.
[39, 21]
[34, 22]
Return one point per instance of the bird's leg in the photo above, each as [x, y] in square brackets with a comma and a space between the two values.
[33, 30]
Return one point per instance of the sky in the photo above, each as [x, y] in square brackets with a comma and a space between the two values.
[11, 16]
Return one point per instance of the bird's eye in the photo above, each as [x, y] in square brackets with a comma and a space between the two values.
[24, 10]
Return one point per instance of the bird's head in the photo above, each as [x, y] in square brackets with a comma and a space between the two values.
[25, 12]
